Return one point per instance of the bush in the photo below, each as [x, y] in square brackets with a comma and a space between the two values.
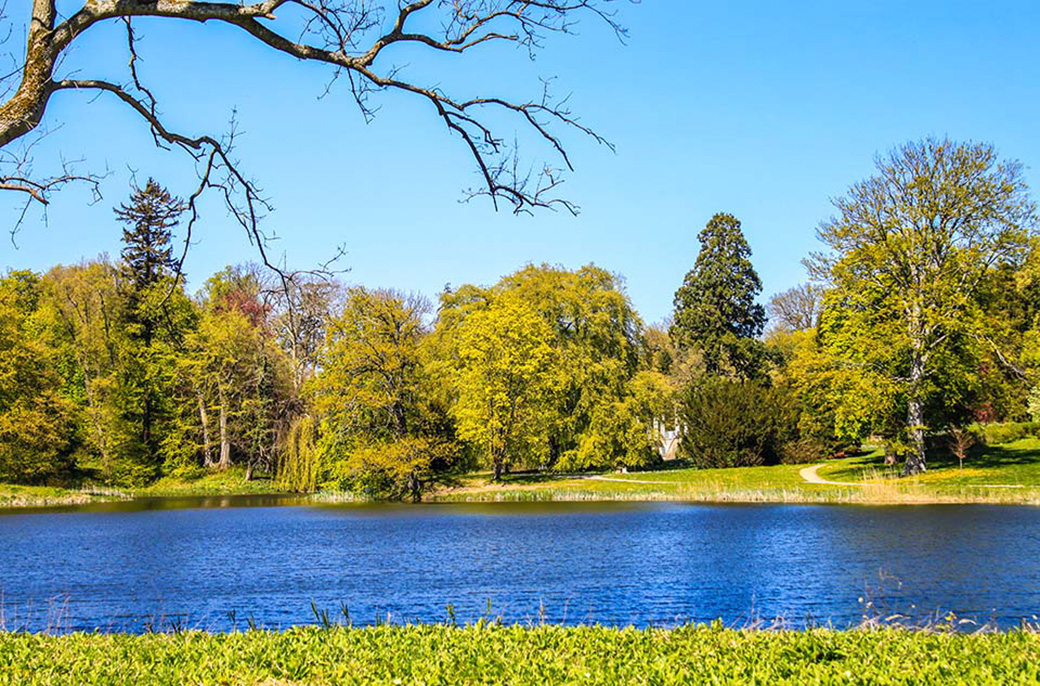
[741, 424]
[803, 450]
[998, 434]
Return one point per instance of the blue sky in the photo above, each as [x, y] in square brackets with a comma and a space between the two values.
[761, 109]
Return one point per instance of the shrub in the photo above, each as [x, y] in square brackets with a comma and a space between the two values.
[741, 424]
[998, 434]
[803, 450]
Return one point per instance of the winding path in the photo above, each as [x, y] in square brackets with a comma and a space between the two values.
[811, 476]
[628, 481]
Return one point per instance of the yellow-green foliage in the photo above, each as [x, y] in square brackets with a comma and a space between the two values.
[505, 373]
[381, 430]
[298, 470]
[36, 423]
[487, 653]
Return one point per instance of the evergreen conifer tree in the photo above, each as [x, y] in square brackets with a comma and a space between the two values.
[715, 308]
[150, 217]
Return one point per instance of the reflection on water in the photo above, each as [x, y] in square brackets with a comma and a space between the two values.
[220, 562]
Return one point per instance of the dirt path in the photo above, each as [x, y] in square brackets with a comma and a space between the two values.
[626, 481]
[810, 475]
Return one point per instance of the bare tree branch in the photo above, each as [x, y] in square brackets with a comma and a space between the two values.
[351, 36]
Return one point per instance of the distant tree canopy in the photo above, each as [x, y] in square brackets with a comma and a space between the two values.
[922, 318]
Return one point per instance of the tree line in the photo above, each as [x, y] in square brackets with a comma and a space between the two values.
[919, 318]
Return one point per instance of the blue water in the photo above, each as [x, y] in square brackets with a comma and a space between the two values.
[203, 564]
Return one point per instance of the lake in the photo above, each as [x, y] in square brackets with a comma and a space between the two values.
[220, 563]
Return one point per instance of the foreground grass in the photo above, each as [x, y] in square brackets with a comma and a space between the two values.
[518, 655]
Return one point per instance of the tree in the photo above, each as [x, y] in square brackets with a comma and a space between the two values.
[302, 310]
[503, 369]
[82, 305]
[353, 38]
[381, 429]
[796, 309]
[237, 374]
[598, 413]
[150, 217]
[147, 268]
[37, 429]
[731, 423]
[715, 308]
[596, 334]
[911, 248]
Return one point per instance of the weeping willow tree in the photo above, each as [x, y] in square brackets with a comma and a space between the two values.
[298, 468]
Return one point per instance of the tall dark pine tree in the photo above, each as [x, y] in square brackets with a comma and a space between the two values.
[150, 218]
[715, 308]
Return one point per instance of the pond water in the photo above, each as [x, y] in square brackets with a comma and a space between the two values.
[221, 563]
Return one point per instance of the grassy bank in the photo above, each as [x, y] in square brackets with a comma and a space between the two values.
[229, 482]
[996, 474]
[518, 655]
[14, 495]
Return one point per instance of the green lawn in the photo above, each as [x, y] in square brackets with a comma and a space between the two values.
[487, 653]
[1002, 474]
[228, 482]
[1015, 463]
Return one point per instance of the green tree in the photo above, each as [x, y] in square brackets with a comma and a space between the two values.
[37, 429]
[588, 407]
[150, 218]
[147, 286]
[909, 251]
[597, 336]
[82, 305]
[715, 308]
[237, 379]
[381, 430]
[502, 370]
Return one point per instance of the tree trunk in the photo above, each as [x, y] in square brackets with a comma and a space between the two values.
[498, 464]
[890, 455]
[915, 459]
[146, 421]
[207, 452]
[225, 443]
[414, 486]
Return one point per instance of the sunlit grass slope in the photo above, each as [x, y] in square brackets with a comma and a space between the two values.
[1000, 474]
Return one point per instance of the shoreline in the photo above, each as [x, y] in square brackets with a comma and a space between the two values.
[513, 496]
[1007, 474]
